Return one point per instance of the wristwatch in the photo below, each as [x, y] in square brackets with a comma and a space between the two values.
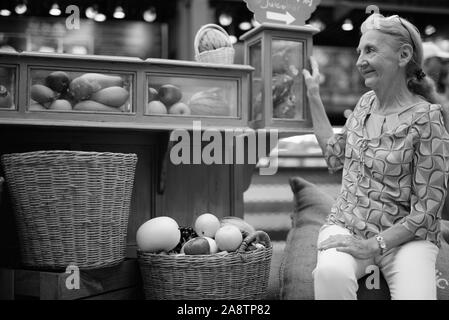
[382, 245]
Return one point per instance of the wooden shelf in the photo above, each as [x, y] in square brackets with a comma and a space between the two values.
[120, 282]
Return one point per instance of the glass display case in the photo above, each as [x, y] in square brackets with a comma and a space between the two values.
[66, 90]
[278, 54]
[192, 96]
[8, 87]
[122, 92]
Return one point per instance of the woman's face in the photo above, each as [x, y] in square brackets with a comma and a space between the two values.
[378, 60]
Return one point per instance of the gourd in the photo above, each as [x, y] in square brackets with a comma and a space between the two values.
[43, 95]
[89, 105]
[84, 86]
[60, 104]
[208, 102]
[111, 96]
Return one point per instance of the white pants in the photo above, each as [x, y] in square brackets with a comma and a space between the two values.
[408, 269]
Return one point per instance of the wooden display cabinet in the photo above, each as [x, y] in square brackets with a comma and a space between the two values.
[216, 95]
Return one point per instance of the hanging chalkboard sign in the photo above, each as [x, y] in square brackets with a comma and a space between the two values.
[286, 12]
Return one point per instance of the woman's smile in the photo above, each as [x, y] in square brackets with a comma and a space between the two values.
[368, 73]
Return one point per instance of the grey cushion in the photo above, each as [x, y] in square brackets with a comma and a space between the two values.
[310, 211]
[312, 206]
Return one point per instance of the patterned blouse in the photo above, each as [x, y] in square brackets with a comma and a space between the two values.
[396, 177]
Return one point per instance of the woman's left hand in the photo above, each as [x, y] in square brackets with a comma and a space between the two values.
[358, 248]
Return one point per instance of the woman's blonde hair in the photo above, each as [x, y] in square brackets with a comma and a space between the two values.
[404, 32]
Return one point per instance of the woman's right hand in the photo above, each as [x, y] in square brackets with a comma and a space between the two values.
[312, 80]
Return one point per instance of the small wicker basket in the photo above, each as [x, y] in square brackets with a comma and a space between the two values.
[223, 55]
[240, 275]
[71, 207]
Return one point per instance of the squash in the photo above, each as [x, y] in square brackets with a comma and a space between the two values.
[61, 104]
[84, 86]
[81, 89]
[89, 105]
[101, 81]
[43, 94]
[35, 106]
[111, 96]
[209, 102]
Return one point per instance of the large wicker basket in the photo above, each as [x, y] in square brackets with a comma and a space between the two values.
[71, 207]
[223, 55]
[240, 275]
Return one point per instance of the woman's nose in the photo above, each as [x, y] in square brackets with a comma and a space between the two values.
[361, 63]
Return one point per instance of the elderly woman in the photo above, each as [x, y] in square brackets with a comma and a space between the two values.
[394, 153]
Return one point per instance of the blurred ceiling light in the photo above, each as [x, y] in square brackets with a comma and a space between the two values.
[430, 30]
[233, 39]
[317, 23]
[5, 12]
[150, 14]
[245, 25]
[225, 19]
[100, 17]
[119, 13]
[55, 11]
[91, 12]
[255, 23]
[347, 25]
[21, 7]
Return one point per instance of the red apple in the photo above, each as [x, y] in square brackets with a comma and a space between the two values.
[155, 107]
[179, 108]
[198, 245]
[169, 94]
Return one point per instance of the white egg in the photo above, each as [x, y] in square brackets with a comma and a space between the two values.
[158, 234]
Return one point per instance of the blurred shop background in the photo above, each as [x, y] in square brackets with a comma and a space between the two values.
[166, 29]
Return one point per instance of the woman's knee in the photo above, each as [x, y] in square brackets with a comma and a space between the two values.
[334, 273]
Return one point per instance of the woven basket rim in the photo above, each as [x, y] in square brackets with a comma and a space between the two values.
[224, 55]
[218, 254]
[63, 152]
[51, 156]
[205, 258]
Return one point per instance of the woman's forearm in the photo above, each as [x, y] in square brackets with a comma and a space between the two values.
[445, 112]
[321, 124]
